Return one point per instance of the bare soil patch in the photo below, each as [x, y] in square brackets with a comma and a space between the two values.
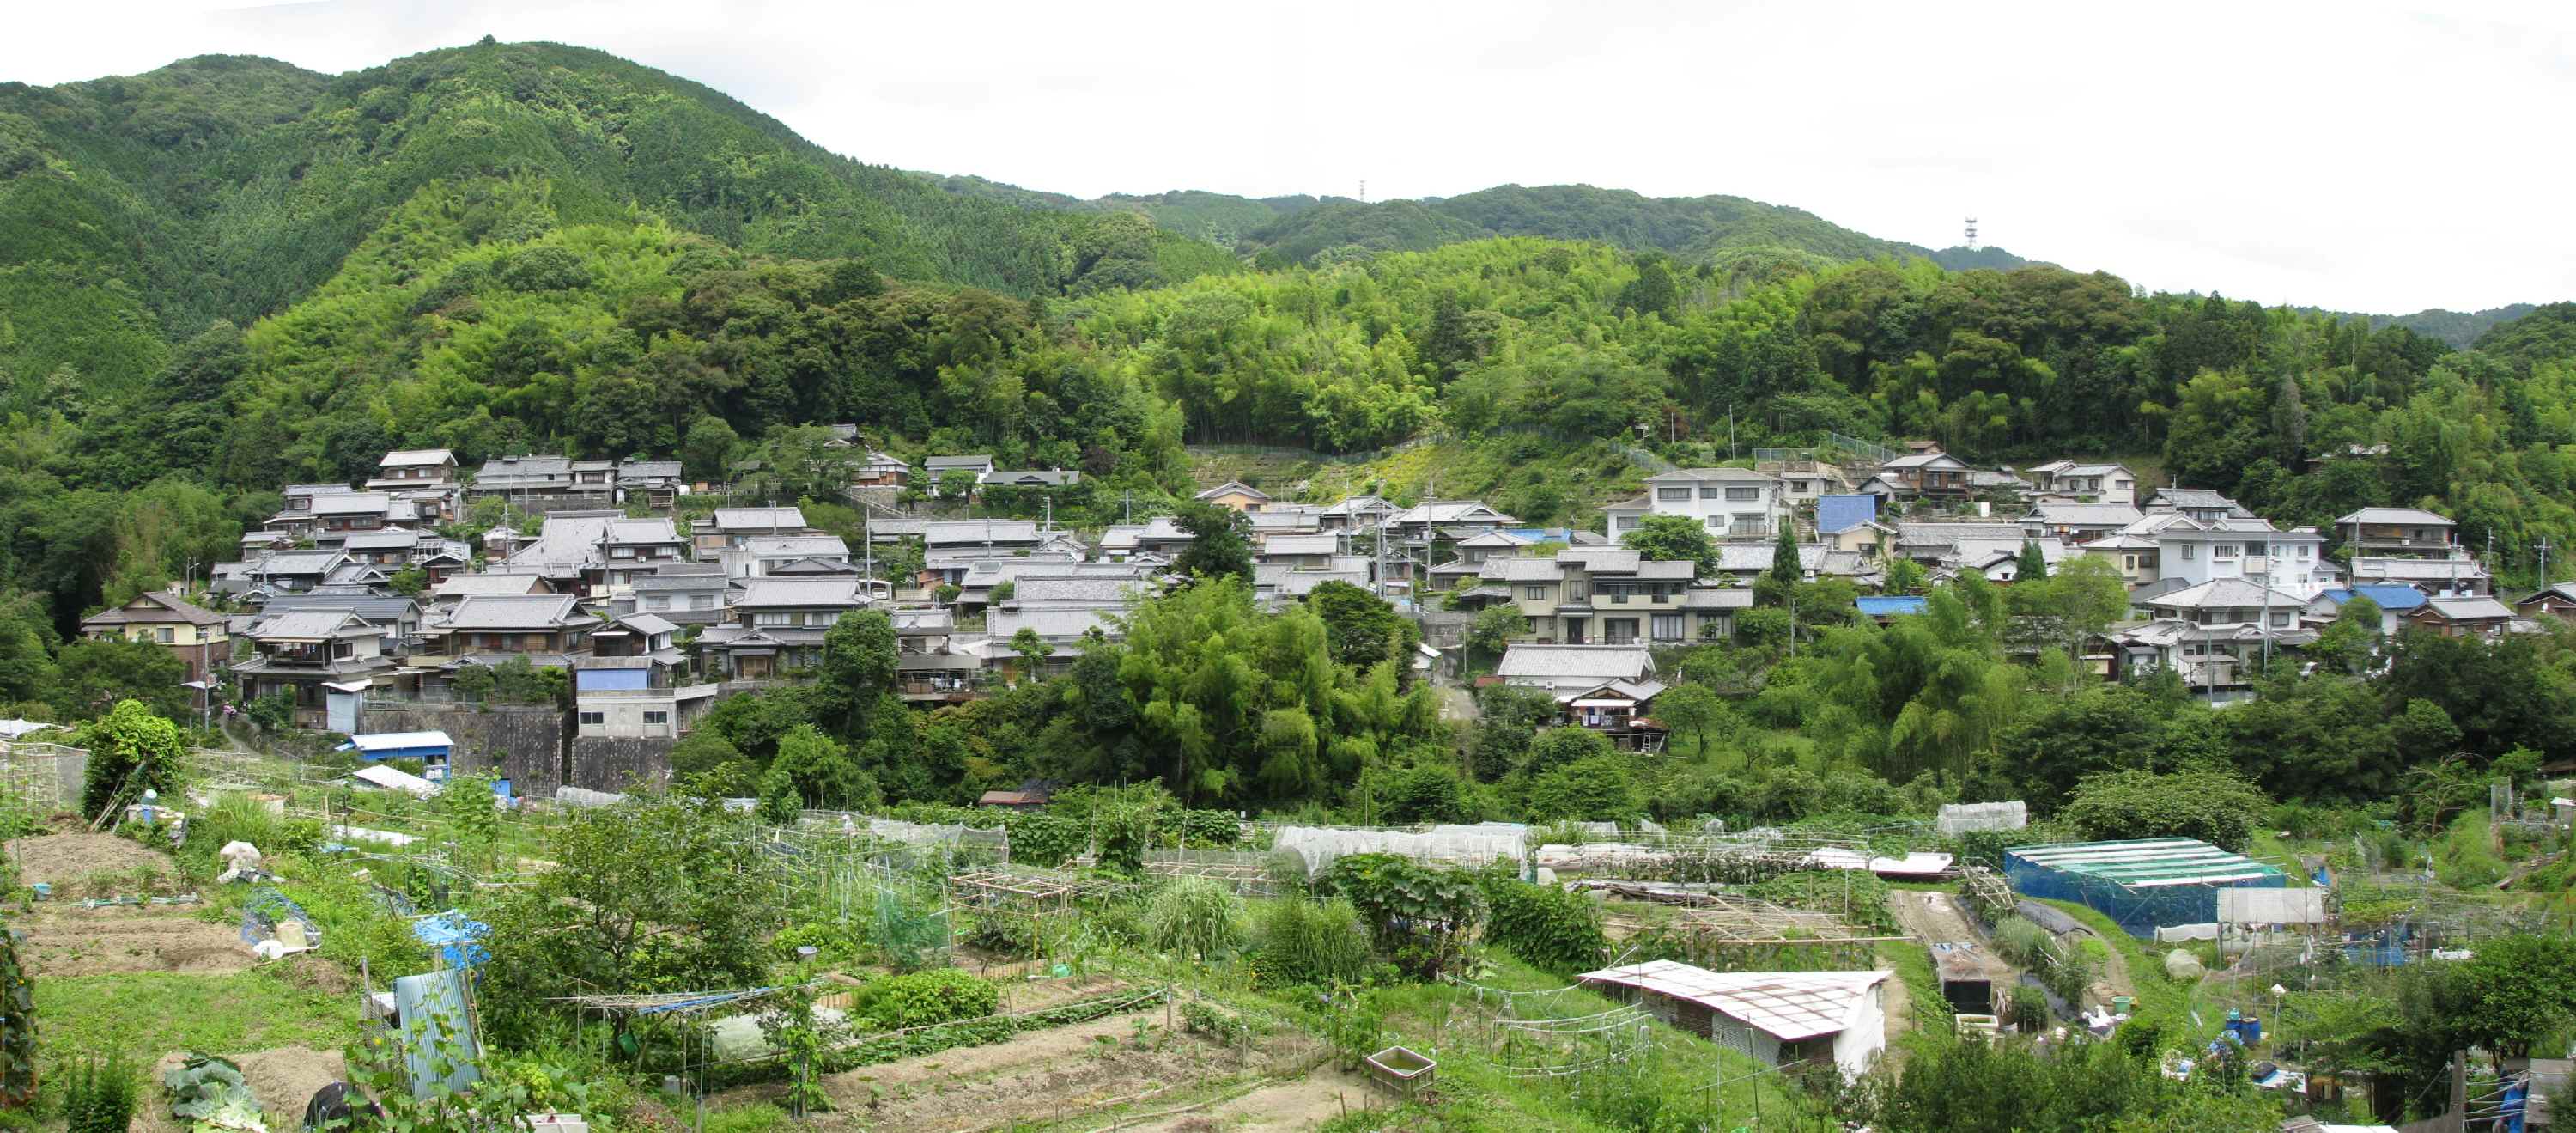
[1041, 1077]
[66, 861]
[282, 1078]
[1303, 1103]
[73, 941]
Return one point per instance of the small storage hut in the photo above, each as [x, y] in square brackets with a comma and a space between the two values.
[1836, 1018]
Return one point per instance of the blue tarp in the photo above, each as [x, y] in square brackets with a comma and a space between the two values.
[2393, 598]
[265, 908]
[457, 937]
[1835, 514]
[1889, 606]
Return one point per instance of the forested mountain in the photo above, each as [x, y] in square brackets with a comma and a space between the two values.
[138, 208]
[231, 275]
[2459, 328]
[1295, 230]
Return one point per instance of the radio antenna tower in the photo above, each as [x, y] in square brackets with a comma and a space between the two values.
[1363, 190]
[1972, 234]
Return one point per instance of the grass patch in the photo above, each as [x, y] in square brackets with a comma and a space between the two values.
[2159, 998]
[149, 1014]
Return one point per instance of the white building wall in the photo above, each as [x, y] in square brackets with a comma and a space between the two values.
[1864, 1035]
[1710, 504]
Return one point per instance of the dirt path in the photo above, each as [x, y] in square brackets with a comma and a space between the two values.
[1284, 1107]
[2115, 978]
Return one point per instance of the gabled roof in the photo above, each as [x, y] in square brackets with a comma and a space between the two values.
[1451, 511]
[739, 519]
[1600, 560]
[377, 609]
[308, 625]
[155, 607]
[1613, 662]
[944, 463]
[1109, 589]
[1232, 488]
[648, 470]
[1717, 598]
[1518, 568]
[297, 563]
[2227, 594]
[1837, 514]
[1033, 478]
[654, 530]
[2085, 515]
[981, 531]
[1741, 475]
[822, 590]
[516, 612]
[2410, 516]
[416, 458]
[2468, 609]
[796, 546]
[2397, 598]
[1054, 623]
[1924, 460]
[353, 503]
[462, 585]
[1301, 545]
[520, 467]
[1789, 1006]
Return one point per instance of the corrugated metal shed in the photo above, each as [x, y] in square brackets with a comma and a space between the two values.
[1785, 1005]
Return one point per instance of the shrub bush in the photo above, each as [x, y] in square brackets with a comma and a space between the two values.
[1306, 943]
[940, 995]
[1550, 928]
[1194, 917]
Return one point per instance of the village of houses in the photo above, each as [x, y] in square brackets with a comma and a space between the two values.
[656, 618]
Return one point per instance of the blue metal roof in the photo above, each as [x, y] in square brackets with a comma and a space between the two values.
[1891, 605]
[1836, 514]
[2389, 597]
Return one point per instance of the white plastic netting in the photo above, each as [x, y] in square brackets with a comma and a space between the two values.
[1463, 846]
[1961, 818]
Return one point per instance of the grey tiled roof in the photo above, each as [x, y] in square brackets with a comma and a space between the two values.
[1620, 662]
[516, 612]
[823, 590]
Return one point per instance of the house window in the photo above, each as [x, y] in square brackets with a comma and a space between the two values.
[658, 602]
[2280, 619]
[657, 717]
[702, 601]
[1620, 631]
[2129, 561]
[1578, 590]
[1668, 627]
[1712, 491]
[1748, 522]
[1717, 523]
[1673, 494]
[593, 719]
[163, 634]
[1744, 493]
[2222, 550]
[773, 619]
[2190, 551]
[1627, 523]
[1534, 592]
[2306, 550]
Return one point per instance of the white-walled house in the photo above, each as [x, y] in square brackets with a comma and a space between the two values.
[2190, 552]
[1729, 502]
[2086, 483]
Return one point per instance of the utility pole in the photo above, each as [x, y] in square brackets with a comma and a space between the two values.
[2544, 561]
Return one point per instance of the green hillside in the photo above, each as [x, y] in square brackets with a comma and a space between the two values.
[226, 187]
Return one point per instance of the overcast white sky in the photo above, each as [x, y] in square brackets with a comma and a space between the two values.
[2349, 154]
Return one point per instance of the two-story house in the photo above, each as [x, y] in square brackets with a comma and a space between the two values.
[779, 625]
[2082, 523]
[395, 618]
[633, 548]
[685, 593]
[2463, 617]
[547, 629]
[2192, 552]
[532, 483]
[765, 555]
[406, 469]
[2084, 483]
[653, 483]
[731, 527]
[1610, 595]
[2407, 546]
[2212, 635]
[324, 660]
[1732, 503]
[1927, 473]
[292, 572]
[1356, 513]
[192, 633]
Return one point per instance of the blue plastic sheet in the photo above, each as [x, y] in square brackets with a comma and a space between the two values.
[457, 938]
